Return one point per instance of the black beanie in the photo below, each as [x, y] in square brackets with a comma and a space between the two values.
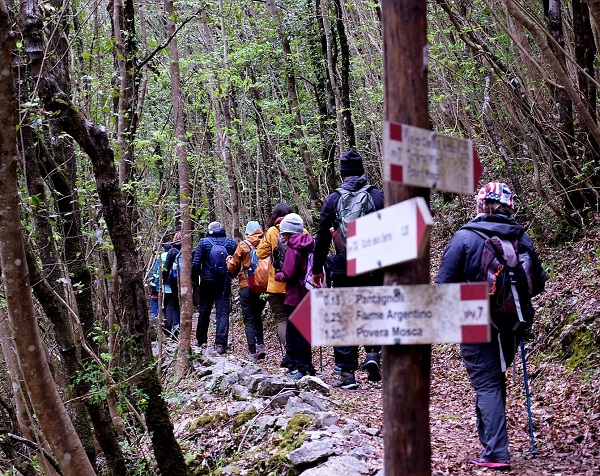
[351, 164]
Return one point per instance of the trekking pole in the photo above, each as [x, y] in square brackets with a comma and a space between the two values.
[527, 394]
[280, 345]
[321, 357]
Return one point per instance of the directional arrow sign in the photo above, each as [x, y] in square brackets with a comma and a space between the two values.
[389, 236]
[387, 315]
[423, 158]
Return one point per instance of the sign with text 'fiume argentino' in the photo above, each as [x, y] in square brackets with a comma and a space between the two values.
[387, 315]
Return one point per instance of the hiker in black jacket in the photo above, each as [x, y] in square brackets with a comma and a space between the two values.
[171, 299]
[354, 178]
[460, 263]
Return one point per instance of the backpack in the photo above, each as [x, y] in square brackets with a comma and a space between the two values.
[508, 273]
[350, 206]
[279, 253]
[308, 280]
[174, 271]
[217, 258]
[258, 272]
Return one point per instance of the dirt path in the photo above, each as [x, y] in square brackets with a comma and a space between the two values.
[566, 412]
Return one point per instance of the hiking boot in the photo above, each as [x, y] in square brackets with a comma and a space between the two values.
[371, 365]
[486, 463]
[252, 358]
[346, 381]
[221, 349]
[296, 375]
[337, 369]
[260, 352]
[286, 363]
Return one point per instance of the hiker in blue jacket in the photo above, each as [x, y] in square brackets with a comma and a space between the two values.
[354, 178]
[461, 262]
[215, 284]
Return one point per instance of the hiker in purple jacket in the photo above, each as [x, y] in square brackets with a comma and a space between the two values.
[461, 263]
[293, 274]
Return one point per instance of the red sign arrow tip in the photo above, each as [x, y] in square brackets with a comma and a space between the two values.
[300, 318]
[421, 230]
[477, 168]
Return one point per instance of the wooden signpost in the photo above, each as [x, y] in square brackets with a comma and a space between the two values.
[389, 315]
[389, 236]
[423, 158]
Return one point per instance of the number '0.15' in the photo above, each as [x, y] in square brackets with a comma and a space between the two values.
[332, 300]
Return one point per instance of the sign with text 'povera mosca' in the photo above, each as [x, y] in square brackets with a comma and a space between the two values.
[388, 315]
[423, 158]
[389, 236]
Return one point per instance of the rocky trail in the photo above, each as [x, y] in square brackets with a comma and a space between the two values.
[237, 417]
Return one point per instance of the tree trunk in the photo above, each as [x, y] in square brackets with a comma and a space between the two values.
[45, 399]
[220, 108]
[185, 279]
[62, 328]
[22, 411]
[333, 78]
[325, 103]
[60, 172]
[59, 316]
[266, 171]
[345, 75]
[137, 353]
[407, 370]
[290, 81]
[121, 87]
[585, 52]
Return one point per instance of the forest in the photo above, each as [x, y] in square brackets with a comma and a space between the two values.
[123, 122]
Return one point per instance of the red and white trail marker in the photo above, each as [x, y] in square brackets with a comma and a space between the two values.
[388, 315]
[423, 158]
[392, 235]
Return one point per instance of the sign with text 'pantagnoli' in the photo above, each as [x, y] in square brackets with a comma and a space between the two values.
[387, 315]
[389, 236]
[422, 158]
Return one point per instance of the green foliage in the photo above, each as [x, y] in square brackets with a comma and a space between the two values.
[94, 377]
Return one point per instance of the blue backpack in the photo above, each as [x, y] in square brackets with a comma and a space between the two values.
[257, 272]
[174, 271]
[253, 258]
[217, 259]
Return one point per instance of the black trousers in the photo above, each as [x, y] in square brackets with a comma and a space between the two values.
[346, 357]
[252, 308]
[298, 348]
[217, 294]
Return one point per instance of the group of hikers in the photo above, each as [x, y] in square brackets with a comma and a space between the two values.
[490, 243]
[291, 252]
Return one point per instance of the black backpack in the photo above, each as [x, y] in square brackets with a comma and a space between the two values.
[279, 253]
[508, 272]
[350, 206]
